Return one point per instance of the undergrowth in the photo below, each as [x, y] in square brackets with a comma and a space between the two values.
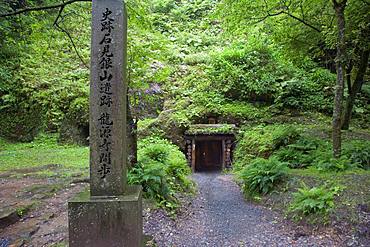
[260, 176]
[267, 156]
[316, 202]
[162, 171]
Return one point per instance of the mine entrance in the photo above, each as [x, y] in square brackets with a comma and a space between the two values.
[209, 155]
[209, 147]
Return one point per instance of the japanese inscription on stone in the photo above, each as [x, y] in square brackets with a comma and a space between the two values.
[106, 101]
[108, 157]
[112, 214]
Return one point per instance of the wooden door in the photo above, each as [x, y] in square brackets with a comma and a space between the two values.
[208, 155]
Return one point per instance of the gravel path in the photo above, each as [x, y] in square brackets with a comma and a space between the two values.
[219, 216]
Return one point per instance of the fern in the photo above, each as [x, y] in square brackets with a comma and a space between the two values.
[313, 201]
[262, 175]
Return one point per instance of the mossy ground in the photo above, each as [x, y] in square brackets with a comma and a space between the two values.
[43, 158]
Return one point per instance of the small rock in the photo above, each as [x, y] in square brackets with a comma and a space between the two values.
[8, 216]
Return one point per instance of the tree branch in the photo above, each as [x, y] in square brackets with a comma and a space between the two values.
[31, 9]
[303, 21]
[285, 10]
[56, 24]
[261, 19]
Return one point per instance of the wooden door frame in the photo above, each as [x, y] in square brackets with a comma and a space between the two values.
[193, 155]
[194, 138]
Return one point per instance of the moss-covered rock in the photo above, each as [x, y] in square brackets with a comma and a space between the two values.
[72, 133]
[167, 126]
[20, 124]
[74, 128]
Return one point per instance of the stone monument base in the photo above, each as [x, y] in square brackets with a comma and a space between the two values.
[106, 221]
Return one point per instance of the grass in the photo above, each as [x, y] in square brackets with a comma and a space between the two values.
[44, 151]
[328, 176]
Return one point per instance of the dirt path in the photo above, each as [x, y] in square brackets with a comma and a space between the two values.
[45, 224]
[220, 216]
[217, 216]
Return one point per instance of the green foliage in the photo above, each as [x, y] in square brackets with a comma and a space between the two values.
[300, 153]
[197, 58]
[310, 90]
[145, 123]
[48, 75]
[309, 151]
[326, 162]
[21, 124]
[41, 70]
[298, 149]
[247, 73]
[23, 210]
[242, 111]
[163, 7]
[304, 32]
[79, 110]
[214, 129]
[259, 72]
[323, 160]
[171, 14]
[162, 171]
[313, 201]
[262, 141]
[260, 176]
[358, 152]
[295, 158]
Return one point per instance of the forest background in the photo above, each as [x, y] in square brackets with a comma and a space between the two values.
[291, 75]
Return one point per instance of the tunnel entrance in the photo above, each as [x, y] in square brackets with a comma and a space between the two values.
[209, 147]
[208, 156]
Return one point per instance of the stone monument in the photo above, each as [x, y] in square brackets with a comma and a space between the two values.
[111, 214]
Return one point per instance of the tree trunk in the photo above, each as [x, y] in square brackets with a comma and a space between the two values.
[339, 8]
[356, 88]
[349, 78]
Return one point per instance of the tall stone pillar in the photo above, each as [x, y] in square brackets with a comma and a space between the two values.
[111, 214]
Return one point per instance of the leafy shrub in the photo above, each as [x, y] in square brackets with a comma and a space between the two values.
[242, 111]
[20, 124]
[306, 144]
[322, 83]
[156, 152]
[316, 200]
[307, 91]
[309, 151]
[299, 154]
[151, 175]
[359, 153]
[261, 141]
[262, 175]
[259, 72]
[162, 171]
[323, 159]
[163, 6]
[197, 58]
[325, 163]
[295, 158]
[21, 114]
[247, 74]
